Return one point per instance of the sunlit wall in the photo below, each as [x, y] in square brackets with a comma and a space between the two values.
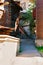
[2, 7]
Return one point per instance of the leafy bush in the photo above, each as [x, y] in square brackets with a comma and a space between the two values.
[28, 17]
[40, 49]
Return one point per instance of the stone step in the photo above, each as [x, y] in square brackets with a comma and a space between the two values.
[28, 61]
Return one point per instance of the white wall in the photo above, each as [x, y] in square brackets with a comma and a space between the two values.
[2, 7]
[24, 4]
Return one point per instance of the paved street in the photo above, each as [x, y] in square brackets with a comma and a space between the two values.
[28, 49]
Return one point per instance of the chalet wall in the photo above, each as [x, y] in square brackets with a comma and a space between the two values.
[25, 3]
[2, 18]
[8, 14]
[6, 19]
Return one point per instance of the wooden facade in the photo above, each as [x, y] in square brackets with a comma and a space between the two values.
[6, 18]
[9, 16]
[39, 19]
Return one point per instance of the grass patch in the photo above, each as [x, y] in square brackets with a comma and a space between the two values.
[40, 49]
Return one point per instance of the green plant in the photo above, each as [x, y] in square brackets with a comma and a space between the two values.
[31, 21]
[40, 49]
[28, 17]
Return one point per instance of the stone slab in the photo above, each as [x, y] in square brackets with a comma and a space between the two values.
[8, 49]
[28, 61]
[39, 42]
[28, 49]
